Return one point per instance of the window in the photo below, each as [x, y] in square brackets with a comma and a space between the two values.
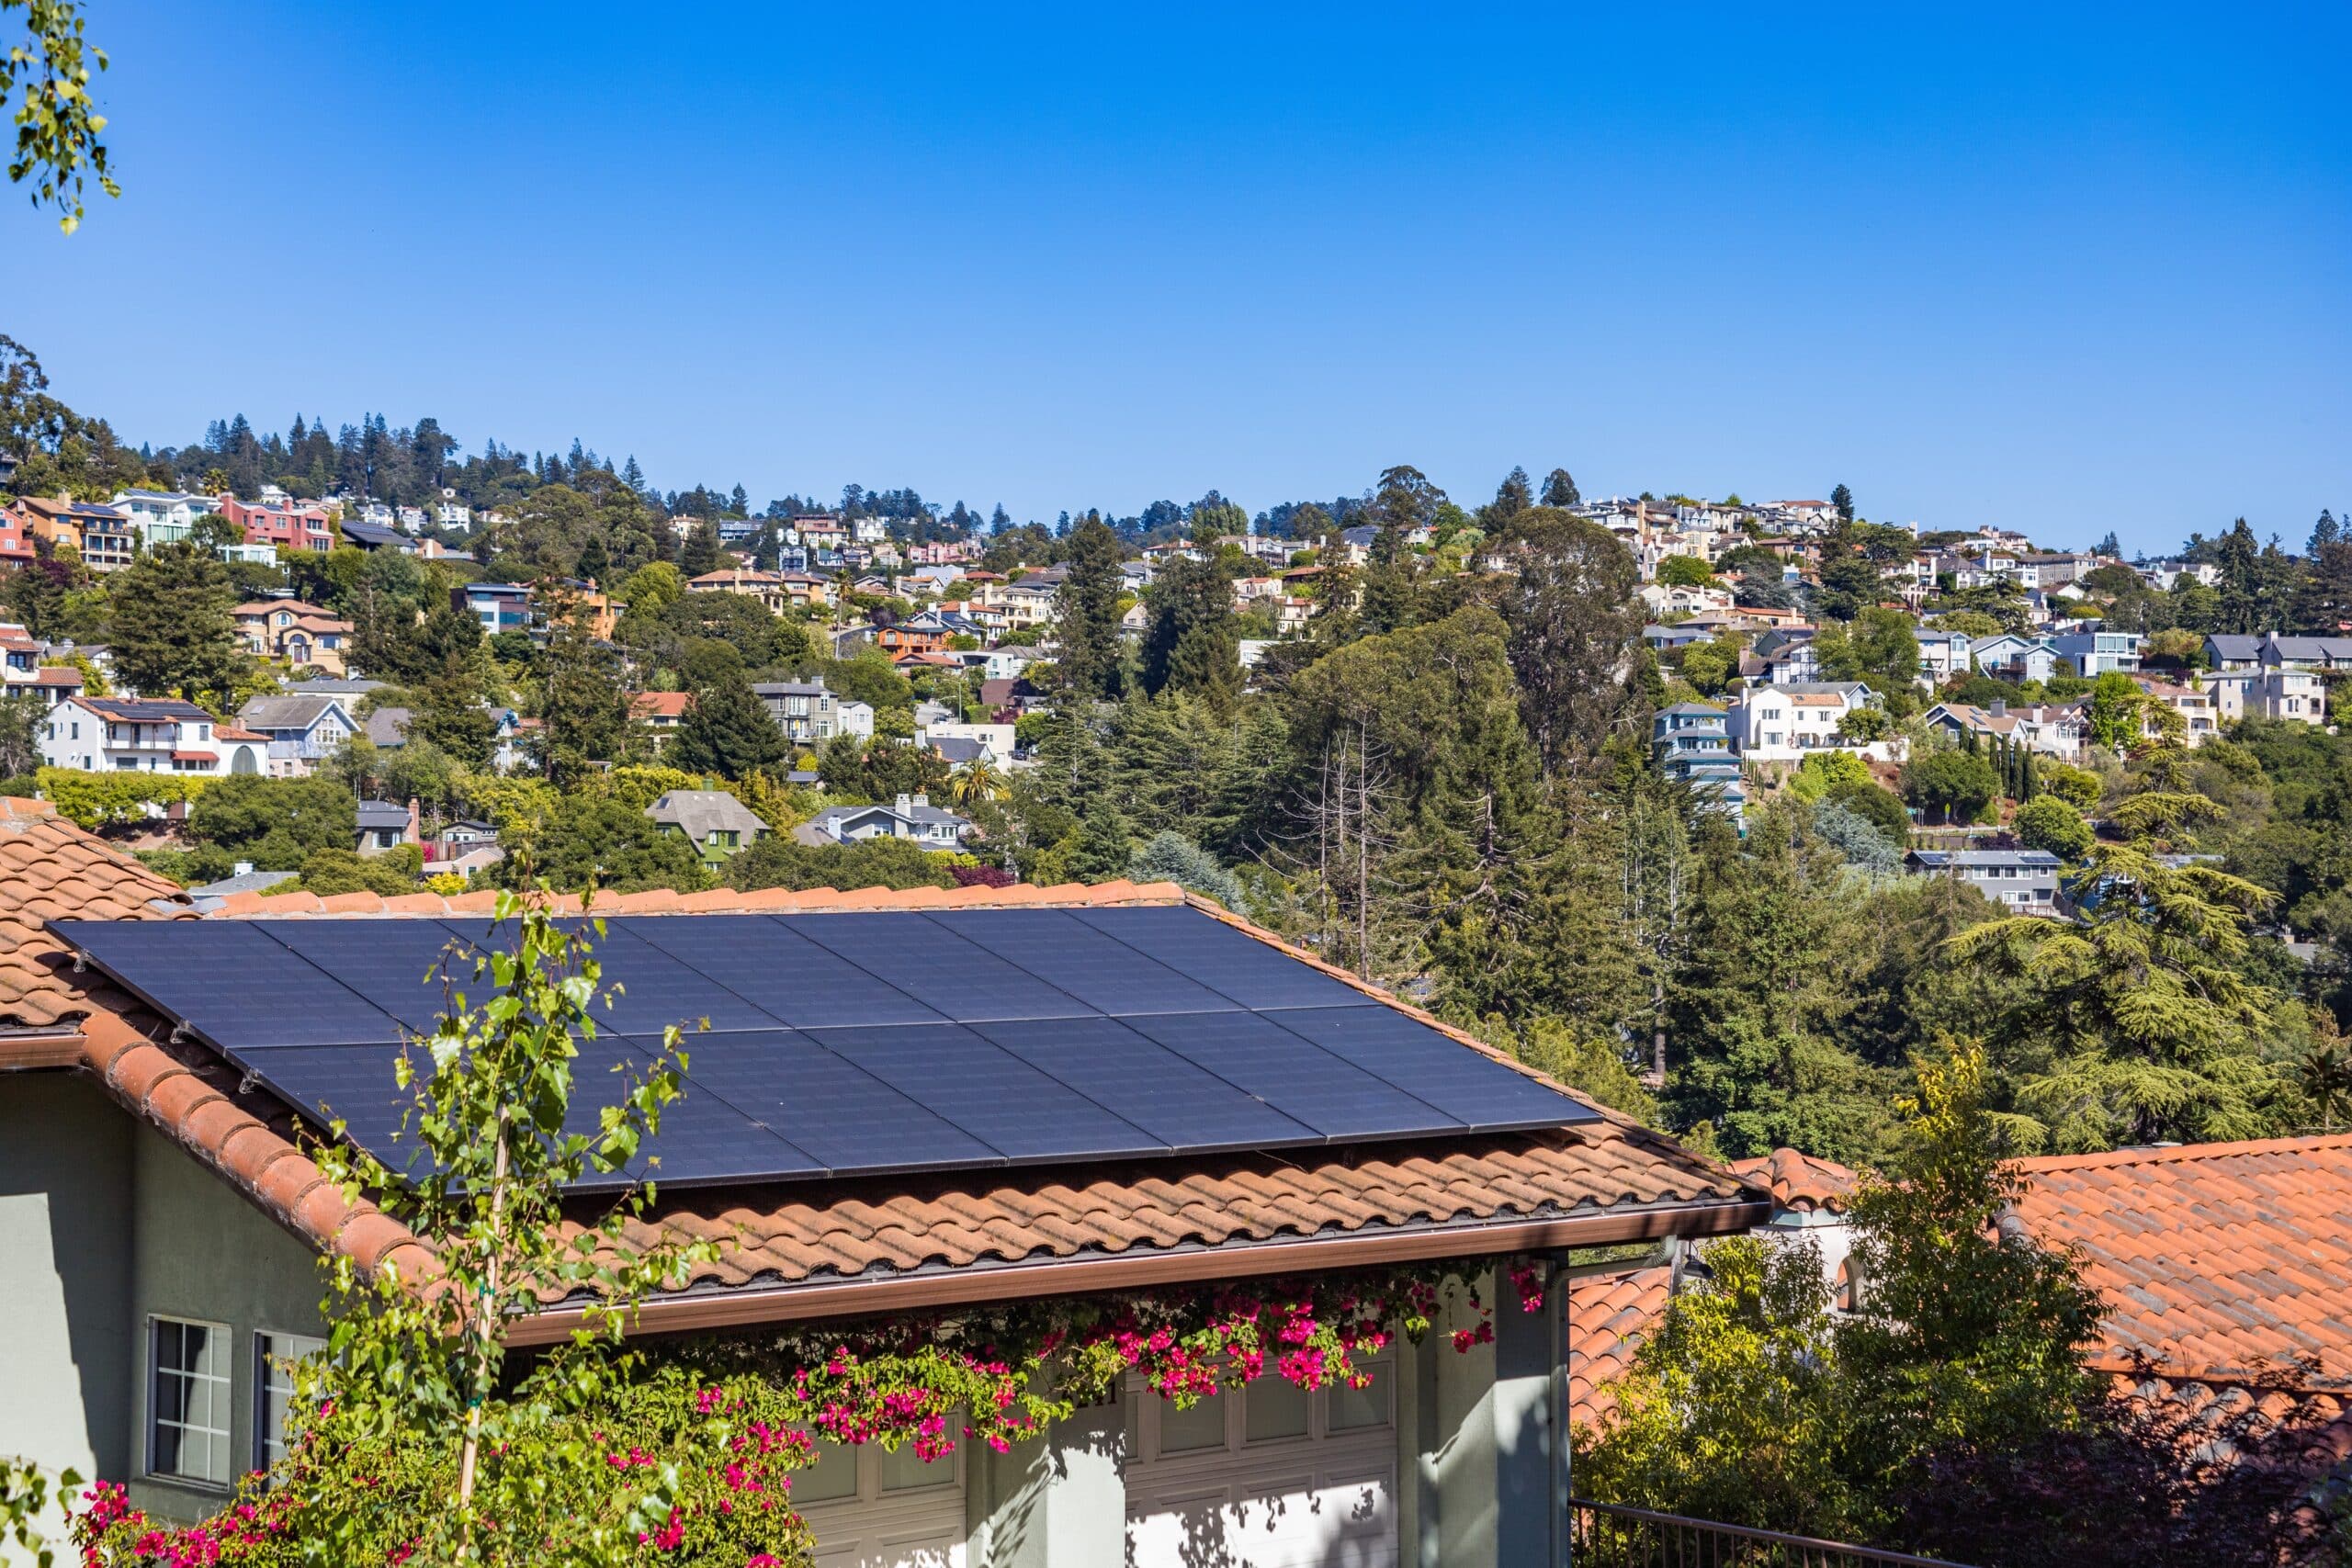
[187, 1400]
[274, 1358]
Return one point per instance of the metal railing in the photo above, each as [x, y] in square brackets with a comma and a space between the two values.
[1607, 1535]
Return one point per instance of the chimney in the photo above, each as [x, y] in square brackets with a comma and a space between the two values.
[2001, 707]
[906, 804]
[923, 800]
[415, 822]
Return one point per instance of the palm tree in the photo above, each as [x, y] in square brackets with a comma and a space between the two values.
[980, 780]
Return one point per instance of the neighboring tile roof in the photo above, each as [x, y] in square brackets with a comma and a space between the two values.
[1800, 1182]
[2215, 1258]
[1609, 1316]
[659, 704]
[51, 869]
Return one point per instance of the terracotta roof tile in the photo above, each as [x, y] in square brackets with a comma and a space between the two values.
[1799, 1181]
[51, 869]
[2217, 1259]
[1609, 1316]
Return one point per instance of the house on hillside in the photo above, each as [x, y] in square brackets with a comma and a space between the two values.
[2008, 656]
[1782, 723]
[660, 714]
[156, 735]
[301, 730]
[809, 715]
[2270, 651]
[912, 817]
[385, 826]
[2023, 882]
[2055, 729]
[2094, 653]
[2296, 694]
[1058, 1093]
[1694, 746]
[719, 826]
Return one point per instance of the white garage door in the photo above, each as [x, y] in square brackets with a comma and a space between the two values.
[872, 1509]
[1269, 1476]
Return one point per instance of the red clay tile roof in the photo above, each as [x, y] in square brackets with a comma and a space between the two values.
[1609, 1316]
[886, 1230]
[1799, 1181]
[51, 869]
[2216, 1259]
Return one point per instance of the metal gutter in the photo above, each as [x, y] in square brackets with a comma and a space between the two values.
[699, 1312]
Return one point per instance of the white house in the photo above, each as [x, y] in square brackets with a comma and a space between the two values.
[156, 735]
[1782, 723]
[2295, 695]
[299, 729]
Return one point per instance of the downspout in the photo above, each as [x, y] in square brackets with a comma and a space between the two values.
[1555, 1302]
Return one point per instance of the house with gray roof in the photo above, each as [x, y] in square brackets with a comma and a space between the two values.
[303, 729]
[718, 824]
[2023, 882]
[910, 816]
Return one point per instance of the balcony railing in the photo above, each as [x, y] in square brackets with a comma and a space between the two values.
[1606, 1535]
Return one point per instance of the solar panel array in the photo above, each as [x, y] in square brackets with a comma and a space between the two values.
[843, 1044]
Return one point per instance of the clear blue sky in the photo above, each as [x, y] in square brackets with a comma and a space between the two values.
[1974, 266]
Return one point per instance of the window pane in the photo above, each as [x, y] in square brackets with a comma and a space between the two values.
[906, 1472]
[274, 1358]
[187, 1402]
[1187, 1431]
[1355, 1408]
[832, 1473]
[1273, 1407]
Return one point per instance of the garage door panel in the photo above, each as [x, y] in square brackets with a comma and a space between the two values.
[1310, 1515]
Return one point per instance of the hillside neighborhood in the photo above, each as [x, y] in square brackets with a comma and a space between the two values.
[301, 727]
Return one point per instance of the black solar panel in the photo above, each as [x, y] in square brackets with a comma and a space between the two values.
[937, 968]
[777, 970]
[1081, 962]
[407, 968]
[862, 1044]
[1404, 1051]
[844, 1117]
[989, 1093]
[230, 983]
[1302, 1081]
[1183, 1105]
[1232, 964]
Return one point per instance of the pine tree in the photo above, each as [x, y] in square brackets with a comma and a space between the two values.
[2325, 532]
[174, 630]
[1194, 644]
[700, 553]
[1086, 613]
[727, 731]
[633, 476]
[1512, 497]
[1559, 490]
[583, 708]
[739, 501]
[1843, 500]
[1387, 582]
[594, 565]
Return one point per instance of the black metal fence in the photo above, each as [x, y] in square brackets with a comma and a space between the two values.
[1605, 1535]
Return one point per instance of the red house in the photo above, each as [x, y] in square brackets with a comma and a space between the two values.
[282, 524]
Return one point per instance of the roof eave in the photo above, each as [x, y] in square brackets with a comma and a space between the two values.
[706, 1311]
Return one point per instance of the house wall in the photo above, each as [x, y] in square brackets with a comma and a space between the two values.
[103, 1222]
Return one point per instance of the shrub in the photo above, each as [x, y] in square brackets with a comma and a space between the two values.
[1172, 857]
[2046, 822]
[2080, 788]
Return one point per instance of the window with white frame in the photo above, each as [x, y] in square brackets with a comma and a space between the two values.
[187, 1400]
[274, 1356]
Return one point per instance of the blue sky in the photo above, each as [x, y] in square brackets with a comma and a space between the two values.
[1982, 266]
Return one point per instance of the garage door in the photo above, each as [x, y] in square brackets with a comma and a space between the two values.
[872, 1509]
[1269, 1476]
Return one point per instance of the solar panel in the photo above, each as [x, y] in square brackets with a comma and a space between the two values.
[860, 1043]
[937, 968]
[992, 1095]
[1473, 1090]
[229, 982]
[1181, 1104]
[1081, 962]
[777, 970]
[844, 1117]
[408, 968]
[1302, 1081]
[1230, 962]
